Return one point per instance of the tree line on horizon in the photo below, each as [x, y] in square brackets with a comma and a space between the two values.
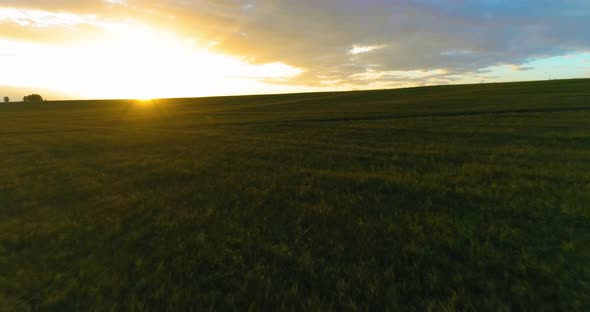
[28, 98]
[33, 98]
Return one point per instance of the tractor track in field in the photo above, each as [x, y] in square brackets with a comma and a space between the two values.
[451, 114]
[334, 119]
[42, 131]
[411, 116]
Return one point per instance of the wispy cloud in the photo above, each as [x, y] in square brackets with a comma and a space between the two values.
[364, 49]
[40, 18]
[119, 2]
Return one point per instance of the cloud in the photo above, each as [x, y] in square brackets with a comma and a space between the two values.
[360, 49]
[38, 18]
[347, 41]
[119, 2]
[52, 27]
[520, 68]
[412, 36]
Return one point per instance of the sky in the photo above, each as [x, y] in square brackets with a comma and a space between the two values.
[93, 49]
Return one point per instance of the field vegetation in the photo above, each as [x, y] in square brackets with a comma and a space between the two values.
[471, 198]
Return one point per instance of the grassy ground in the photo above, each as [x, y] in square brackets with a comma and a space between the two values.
[444, 198]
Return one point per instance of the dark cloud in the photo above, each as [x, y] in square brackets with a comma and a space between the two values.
[456, 36]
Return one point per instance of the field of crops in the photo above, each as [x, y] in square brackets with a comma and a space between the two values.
[473, 197]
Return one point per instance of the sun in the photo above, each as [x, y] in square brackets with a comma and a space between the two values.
[144, 102]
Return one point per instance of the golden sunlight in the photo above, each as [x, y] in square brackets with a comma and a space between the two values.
[154, 64]
[136, 61]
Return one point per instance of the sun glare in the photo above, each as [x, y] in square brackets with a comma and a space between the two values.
[137, 61]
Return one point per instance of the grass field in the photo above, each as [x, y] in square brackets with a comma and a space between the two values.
[445, 198]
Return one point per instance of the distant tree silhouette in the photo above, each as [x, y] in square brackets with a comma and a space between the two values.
[6, 99]
[33, 98]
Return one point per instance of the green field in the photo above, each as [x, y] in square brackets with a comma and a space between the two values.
[470, 198]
